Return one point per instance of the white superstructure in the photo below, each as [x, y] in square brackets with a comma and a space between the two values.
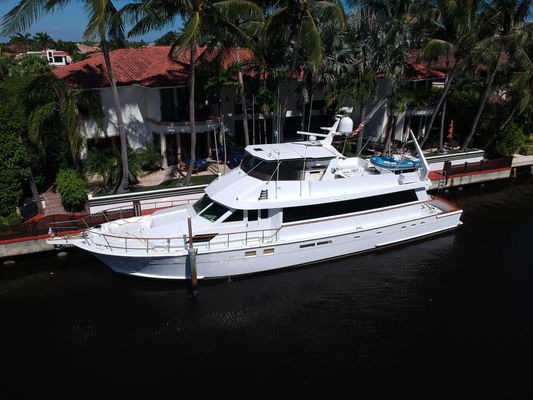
[287, 204]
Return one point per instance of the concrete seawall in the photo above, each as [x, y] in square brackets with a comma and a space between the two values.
[25, 247]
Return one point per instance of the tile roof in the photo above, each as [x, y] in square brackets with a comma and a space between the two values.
[145, 66]
[419, 72]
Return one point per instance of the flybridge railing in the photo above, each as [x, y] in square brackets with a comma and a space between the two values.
[109, 215]
[133, 244]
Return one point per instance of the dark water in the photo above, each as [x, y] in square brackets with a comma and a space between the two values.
[449, 316]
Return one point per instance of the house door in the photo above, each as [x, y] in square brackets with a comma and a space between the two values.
[171, 152]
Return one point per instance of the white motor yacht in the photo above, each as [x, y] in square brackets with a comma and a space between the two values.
[287, 204]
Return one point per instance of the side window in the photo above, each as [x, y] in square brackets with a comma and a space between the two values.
[252, 215]
[264, 214]
[237, 215]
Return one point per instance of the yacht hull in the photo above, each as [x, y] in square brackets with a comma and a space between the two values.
[283, 254]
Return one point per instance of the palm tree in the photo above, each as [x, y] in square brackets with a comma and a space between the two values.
[204, 19]
[387, 29]
[21, 38]
[296, 22]
[50, 101]
[42, 41]
[508, 17]
[461, 26]
[103, 21]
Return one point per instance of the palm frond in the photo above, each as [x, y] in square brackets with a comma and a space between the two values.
[189, 34]
[239, 9]
[22, 16]
[38, 117]
[331, 11]
[435, 48]
[311, 42]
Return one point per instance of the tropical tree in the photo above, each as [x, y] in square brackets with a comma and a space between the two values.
[520, 90]
[203, 22]
[507, 16]
[460, 27]
[21, 38]
[167, 39]
[297, 22]
[51, 103]
[42, 41]
[103, 22]
[388, 30]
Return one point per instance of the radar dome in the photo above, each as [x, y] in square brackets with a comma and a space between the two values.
[345, 125]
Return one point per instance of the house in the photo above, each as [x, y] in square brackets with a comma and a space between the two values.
[154, 96]
[56, 58]
[17, 49]
[155, 100]
[86, 49]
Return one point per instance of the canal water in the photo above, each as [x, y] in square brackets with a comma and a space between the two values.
[448, 316]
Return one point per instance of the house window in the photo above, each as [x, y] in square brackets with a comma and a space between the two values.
[174, 104]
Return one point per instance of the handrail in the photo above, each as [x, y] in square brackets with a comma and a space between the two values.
[63, 225]
[173, 203]
[165, 246]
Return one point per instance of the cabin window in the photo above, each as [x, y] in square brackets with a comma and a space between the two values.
[214, 212]
[201, 204]
[209, 209]
[292, 214]
[264, 214]
[236, 216]
[252, 215]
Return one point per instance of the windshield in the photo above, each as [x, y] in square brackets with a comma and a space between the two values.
[283, 170]
[201, 204]
[208, 209]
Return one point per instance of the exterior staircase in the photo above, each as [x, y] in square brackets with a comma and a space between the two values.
[52, 203]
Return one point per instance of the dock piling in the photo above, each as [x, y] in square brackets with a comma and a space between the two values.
[192, 257]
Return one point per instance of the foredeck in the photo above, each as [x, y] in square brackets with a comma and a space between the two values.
[127, 244]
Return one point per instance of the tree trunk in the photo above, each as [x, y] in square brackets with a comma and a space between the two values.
[35, 192]
[123, 187]
[362, 131]
[437, 107]
[292, 72]
[192, 117]
[441, 133]
[243, 102]
[390, 129]
[486, 96]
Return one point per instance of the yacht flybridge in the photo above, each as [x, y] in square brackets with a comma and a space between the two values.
[287, 204]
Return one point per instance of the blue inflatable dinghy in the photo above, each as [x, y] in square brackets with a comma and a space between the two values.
[395, 162]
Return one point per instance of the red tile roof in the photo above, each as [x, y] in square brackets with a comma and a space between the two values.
[19, 48]
[145, 66]
[148, 66]
[419, 72]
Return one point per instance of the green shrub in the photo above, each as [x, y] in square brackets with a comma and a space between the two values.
[149, 158]
[72, 189]
[108, 164]
[512, 139]
[526, 149]
[104, 163]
